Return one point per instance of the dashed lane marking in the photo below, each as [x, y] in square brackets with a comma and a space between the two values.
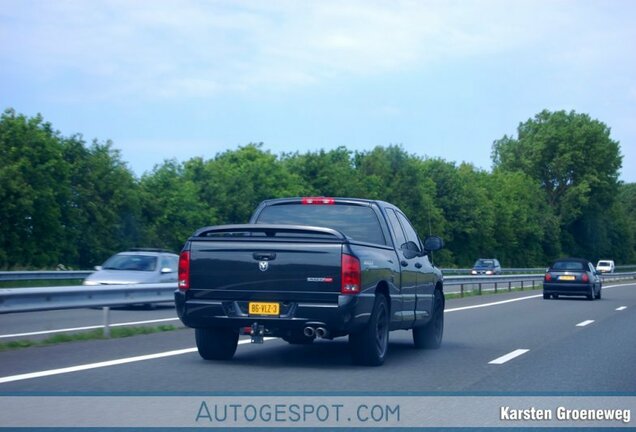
[585, 323]
[506, 358]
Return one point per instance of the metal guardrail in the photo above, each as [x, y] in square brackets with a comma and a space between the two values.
[43, 275]
[72, 297]
[500, 283]
[491, 283]
[504, 271]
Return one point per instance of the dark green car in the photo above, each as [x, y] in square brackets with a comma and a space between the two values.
[572, 277]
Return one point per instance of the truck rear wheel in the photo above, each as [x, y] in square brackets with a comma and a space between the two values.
[369, 346]
[430, 335]
[216, 343]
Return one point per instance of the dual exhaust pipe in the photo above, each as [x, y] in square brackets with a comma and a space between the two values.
[319, 332]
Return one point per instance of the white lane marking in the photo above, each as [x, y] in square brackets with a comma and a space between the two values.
[503, 359]
[483, 305]
[94, 365]
[621, 308]
[584, 323]
[43, 332]
[103, 364]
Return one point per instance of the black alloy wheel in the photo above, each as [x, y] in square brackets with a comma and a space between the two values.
[430, 335]
[370, 345]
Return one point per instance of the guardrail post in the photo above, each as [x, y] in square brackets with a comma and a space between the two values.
[522, 285]
[461, 290]
[479, 288]
[495, 287]
[106, 316]
[509, 286]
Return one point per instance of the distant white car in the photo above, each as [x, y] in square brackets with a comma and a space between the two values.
[605, 266]
[136, 267]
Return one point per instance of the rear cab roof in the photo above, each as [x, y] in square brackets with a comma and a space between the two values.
[378, 205]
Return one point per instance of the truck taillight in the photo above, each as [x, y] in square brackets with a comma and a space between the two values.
[318, 200]
[351, 275]
[184, 270]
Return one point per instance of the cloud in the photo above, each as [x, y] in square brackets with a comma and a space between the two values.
[174, 49]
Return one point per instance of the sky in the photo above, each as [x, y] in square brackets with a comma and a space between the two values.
[444, 79]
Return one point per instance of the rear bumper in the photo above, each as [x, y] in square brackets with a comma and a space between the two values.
[349, 314]
[567, 288]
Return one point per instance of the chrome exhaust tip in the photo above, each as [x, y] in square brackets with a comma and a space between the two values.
[309, 331]
[321, 332]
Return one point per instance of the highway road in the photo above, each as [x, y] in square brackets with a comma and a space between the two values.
[514, 342]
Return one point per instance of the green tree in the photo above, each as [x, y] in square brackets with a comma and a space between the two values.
[325, 173]
[627, 202]
[102, 214]
[391, 174]
[526, 230]
[33, 190]
[172, 207]
[468, 213]
[576, 163]
[236, 181]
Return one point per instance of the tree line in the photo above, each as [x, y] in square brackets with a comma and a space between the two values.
[553, 191]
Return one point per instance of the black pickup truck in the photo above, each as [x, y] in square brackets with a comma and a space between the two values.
[307, 268]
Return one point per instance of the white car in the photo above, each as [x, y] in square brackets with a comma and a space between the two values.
[605, 266]
[136, 267]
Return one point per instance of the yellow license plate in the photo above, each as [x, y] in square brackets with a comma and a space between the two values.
[567, 277]
[264, 308]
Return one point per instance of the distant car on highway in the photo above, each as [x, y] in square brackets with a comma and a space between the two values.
[136, 266]
[572, 277]
[605, 266]
[486, 266]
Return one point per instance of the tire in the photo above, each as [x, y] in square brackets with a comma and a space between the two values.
[216, 343]
[598, 295]
[370, 345]
[430, 335]
[591, 294]
[546, 296]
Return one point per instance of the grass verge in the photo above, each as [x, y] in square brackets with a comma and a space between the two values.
[115, 332]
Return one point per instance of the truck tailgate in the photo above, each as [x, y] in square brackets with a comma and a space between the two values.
[257, 268]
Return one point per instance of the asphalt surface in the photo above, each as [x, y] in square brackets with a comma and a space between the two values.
[556, 353]
[40, 325]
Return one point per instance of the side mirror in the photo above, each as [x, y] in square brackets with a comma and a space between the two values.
[98, 268]
[410, 250]
[433, 243]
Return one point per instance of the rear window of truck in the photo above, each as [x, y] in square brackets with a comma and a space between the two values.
[357, 222]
